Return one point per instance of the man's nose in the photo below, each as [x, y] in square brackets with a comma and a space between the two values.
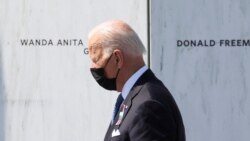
[93, 65]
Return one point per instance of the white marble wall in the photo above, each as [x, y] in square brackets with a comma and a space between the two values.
[210, 84]
[47, 92]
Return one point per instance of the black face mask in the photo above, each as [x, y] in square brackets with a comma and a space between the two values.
[102, 80]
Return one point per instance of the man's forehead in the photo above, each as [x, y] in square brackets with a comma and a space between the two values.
[96, 53]
[94, 43]
[96, 47]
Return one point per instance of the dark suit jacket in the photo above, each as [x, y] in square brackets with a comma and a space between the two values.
[149, 114]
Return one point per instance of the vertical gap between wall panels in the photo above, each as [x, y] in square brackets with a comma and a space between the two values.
[148, 32]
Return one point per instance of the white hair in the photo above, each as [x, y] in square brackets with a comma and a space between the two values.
[125, 39]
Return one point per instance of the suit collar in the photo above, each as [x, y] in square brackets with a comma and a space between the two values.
[132, 80]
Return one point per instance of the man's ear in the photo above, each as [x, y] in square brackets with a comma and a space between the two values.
[119, 58]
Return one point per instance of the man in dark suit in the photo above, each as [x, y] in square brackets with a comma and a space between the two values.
[145, 110]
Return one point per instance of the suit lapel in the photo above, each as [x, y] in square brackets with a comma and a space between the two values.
[126, 105]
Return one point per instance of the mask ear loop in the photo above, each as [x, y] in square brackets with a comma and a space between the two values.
[118, 69]
[117, 73]
[108, 60]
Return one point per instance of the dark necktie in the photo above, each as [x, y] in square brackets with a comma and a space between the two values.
[118, 103]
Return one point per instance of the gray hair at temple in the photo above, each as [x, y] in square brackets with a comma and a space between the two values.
[117, 34]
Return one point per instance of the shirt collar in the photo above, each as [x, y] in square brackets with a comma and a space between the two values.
[131, 81]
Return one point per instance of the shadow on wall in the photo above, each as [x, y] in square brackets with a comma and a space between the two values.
[2, 98]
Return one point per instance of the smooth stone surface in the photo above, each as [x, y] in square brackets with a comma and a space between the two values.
[47, 92]
[210, 84]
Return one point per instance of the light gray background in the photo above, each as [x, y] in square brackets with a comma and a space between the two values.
[211, 85]
[48, 94]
